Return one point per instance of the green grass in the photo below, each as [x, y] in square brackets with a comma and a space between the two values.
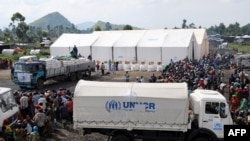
[240, 48]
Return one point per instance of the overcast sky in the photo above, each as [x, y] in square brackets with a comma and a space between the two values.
[149, 14]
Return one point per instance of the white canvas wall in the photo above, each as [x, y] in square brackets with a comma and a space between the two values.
[149, 47]
[124, 48]
[149, 54]
[124, 54]
[101, 53]
[102, 48]
[174, 53]
[179, 45]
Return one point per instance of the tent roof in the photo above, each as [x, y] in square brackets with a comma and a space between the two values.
[152, 38]
[86, 40]
[80, 40]
[66, 40]
[164, 90]
[178, 39]
[129, 38]
[200, 34]
[106, 38]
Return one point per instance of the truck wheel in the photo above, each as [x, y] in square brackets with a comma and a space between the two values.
[79, 75]
[120, 138]
[40, 84]
[201, 139]
[72, 77]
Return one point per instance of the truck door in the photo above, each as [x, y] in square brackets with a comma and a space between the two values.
[211, 118]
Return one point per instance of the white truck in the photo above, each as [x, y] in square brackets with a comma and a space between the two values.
[8, 107]
[33, 73]
[149, 111]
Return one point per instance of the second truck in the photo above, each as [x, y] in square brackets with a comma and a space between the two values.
[33, 73]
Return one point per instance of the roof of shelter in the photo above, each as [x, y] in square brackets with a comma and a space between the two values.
[178, 39]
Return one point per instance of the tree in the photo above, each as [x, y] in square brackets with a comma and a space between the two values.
[21, 27]
[221, 29]
[98, 28]
[108, 26]
[192, 26]
[184, 24]
[127, 27]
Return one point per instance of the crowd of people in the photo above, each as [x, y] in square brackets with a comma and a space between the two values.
[208, 73]
[40, 113]
[5, 63]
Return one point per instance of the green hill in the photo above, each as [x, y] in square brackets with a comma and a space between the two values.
[53, 19]
[104, 26]
[56, 19]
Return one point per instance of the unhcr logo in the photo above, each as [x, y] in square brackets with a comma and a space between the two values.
[113, 105]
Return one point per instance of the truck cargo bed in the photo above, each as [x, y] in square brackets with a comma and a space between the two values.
[147, 106]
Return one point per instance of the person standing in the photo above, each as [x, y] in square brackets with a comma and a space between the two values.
[90, 57]
[110, 63]
[113, 67]
[102, 68]
[24, 105]
[64, 115]
[142, 79]
[40, 119]
[69, 106]
[42, 101]
[116, 65]
[127, 76]
[97, 66]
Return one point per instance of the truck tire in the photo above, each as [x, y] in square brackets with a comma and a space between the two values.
[79, 75]
[72, 76]
[201, 139]
[120, 137]
[40, 84]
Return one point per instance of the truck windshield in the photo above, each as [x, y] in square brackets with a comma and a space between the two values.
[22, 68]
[7, 101]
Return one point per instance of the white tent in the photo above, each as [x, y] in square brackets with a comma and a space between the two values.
[102, 49]
[149, 47]
[65, 43]
[141, 45]
[178, 45]
[202, 41]
[124, 48]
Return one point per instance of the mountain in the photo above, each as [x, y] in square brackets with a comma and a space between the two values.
[85, 25]
[56, 19]
[53, 19]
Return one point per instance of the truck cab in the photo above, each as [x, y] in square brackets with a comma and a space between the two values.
[210, 112]
[8, 107]
[29, 74]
